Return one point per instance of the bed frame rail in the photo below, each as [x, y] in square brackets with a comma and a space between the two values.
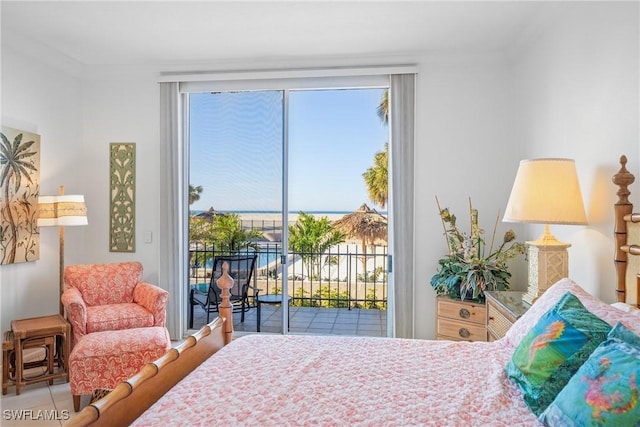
[130, 398]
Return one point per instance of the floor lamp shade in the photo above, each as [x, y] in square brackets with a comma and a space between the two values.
[62, 210]
[546, 191]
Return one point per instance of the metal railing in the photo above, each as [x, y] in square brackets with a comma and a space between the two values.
[344, 277]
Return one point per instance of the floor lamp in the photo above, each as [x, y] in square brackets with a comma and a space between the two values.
[62, 210]
[546, 191]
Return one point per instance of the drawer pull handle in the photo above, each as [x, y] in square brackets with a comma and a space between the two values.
[464, 333]
[464, 313]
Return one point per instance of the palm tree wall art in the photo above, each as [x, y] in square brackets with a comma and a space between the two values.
[19, 191]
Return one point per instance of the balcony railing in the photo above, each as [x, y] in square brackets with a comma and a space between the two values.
[344, 277]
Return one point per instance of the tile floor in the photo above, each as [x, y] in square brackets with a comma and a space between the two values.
[45, 405]
[308, 320]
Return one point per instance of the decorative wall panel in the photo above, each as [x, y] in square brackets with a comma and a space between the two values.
[19, 191]
[122, 233]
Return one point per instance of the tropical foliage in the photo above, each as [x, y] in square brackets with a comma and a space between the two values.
[310, 238]
[224, 235]
[17, 166]
[194, 193]
[376, 177]
[470, 268]
[229, 236]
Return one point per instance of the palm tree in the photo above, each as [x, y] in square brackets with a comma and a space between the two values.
[376, 177]
[311, 238]
[194, 193]
[383, 108]
[230, 236]
[16, 166]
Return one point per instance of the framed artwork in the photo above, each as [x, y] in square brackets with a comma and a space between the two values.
[19, 191]
[122, 230]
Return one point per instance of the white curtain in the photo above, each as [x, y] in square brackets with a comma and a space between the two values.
[402, 124]
[173, 254]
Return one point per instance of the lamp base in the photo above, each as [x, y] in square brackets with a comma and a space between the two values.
[548, 263]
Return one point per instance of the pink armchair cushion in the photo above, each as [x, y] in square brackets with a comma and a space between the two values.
[102, 284]
[114, 317]
[91, 305]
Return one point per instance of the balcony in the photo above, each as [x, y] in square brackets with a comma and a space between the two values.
[340, 292]
[310, 320]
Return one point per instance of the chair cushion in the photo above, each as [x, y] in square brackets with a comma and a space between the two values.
[103, 359]
[113, 317]
[104, 283]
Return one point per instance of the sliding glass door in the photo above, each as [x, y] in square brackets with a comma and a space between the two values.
[282, 174]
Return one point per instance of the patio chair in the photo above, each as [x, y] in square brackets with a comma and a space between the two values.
[243, 294]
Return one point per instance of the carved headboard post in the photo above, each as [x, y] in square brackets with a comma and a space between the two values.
[621, 209]
[225, 283]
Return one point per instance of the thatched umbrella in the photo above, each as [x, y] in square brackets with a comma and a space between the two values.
[210, 214]
[365, 224]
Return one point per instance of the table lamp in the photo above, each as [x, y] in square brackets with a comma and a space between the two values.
[62, 210]
[546, 191]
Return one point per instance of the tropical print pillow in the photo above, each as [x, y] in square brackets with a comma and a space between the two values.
[604, 391]
[553, 350]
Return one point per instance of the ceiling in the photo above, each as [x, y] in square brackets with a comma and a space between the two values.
[177, 32]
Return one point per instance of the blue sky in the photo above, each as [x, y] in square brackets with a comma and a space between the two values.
[236, 149]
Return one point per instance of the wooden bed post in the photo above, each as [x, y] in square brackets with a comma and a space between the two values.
[622, 208]
[225, 283]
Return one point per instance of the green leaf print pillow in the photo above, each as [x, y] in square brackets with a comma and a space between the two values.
[553, 350]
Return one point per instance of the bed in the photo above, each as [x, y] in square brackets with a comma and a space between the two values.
[212, 380]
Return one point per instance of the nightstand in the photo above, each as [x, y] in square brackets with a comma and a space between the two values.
[460, 320]
[503, 309]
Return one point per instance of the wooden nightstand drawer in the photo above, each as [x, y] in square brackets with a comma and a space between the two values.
[462, 310]
[497, 323]
[457, 330]
[503, 309]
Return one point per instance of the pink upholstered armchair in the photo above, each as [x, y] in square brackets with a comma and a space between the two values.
[108, 297]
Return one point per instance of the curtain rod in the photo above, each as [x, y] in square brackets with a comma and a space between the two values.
[288, 73]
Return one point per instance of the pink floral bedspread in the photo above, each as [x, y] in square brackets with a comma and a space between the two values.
[337, 381]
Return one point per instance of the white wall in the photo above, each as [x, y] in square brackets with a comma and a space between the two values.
[465, 148]
[122, 111]
[576, 93]
[77, 119]
[38, 98]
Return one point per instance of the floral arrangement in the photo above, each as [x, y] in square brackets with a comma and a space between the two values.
[469, 269]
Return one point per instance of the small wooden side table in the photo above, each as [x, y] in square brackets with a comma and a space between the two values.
[503, 309]
[37, 328]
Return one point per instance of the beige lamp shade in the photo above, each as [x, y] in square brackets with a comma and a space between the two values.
[546, 191]
[64, 210]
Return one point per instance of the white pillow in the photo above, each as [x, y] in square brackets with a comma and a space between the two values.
[627, 308]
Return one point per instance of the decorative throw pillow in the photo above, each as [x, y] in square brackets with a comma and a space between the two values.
[551, 296]
[554, 349]
[604, 391]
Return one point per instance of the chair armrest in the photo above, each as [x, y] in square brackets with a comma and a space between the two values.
[76, 312]
[255, 289]
[154, 299]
